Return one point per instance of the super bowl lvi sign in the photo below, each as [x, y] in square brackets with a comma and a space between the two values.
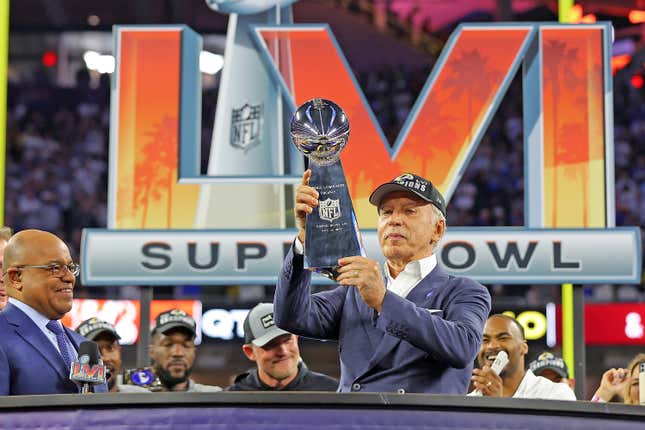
[171, 225]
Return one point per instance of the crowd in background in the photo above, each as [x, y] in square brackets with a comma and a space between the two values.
[57, 160]
[57, 157]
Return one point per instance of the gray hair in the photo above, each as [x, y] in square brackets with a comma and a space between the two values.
[5, 233]
[437, 214]
[438, 217]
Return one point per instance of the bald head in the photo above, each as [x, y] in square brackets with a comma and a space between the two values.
[29, 244]
[29, 261]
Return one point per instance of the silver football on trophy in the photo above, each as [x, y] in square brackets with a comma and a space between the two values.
[320, 130]
[246, 7]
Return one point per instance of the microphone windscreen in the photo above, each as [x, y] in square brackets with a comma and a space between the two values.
[91, 349]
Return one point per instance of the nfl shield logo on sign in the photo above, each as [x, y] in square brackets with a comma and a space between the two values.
[246, 123]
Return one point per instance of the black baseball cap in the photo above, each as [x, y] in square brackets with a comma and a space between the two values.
[548, 360]
[93, 327]
[174, 319]
[414, 184]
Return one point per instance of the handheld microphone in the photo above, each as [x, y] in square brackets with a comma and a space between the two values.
[89, 369]
[500, 362]
[498, 365]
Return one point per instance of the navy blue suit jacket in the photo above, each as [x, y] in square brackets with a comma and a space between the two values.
[425, 343]
[29, 363]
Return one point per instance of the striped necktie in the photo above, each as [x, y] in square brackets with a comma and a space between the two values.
[64, 344]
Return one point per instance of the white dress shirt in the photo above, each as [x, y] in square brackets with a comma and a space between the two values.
[411, 275]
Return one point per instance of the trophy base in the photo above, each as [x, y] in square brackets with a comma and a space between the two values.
[331, 229]
[327, 272]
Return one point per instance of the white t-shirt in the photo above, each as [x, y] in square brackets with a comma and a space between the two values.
[537, 387]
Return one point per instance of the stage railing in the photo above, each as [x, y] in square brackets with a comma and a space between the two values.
[294, 410]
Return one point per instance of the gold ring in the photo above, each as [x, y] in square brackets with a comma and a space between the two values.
[489, 383]
[356, 273]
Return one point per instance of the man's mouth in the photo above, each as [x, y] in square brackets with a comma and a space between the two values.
[394, 236]
[490, 357]
[68, 291]
[177, 364]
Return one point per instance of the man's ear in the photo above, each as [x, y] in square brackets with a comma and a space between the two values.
[439, 229]
[14, 278]
[151, 348]
[248, 351]
[525, 347]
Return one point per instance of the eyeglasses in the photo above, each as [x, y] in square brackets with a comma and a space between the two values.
[57, 270]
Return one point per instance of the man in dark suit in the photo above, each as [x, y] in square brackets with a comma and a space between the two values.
[36, 350]
[410, 327]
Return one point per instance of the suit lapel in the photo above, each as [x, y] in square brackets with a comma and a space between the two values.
[428, 289]
[29, 331]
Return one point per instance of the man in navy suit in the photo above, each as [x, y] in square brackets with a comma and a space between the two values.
[36, 350]
[405, 327]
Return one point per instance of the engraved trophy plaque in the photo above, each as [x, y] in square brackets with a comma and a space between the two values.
[320, 130]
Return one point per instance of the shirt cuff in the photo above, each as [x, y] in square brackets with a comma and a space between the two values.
[298, 247]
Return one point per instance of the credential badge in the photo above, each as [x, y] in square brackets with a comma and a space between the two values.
[329, 209]
[246, 126]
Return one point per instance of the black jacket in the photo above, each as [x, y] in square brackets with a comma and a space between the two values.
[306, 380]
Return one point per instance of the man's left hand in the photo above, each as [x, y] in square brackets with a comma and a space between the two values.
[364, 274]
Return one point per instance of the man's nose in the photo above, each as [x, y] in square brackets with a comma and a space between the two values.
[177, 350]
[68, 276]
[493, 344]
[281, 349]
[395, 218]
